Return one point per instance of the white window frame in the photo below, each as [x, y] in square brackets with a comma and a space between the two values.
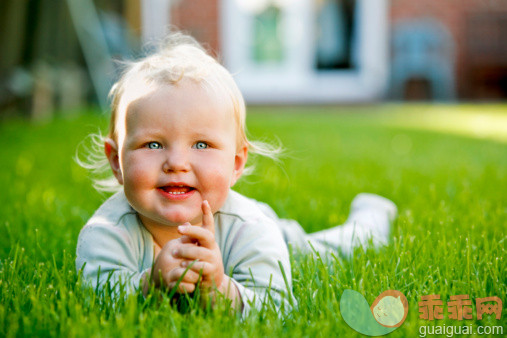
[155, 19]
[296, 80]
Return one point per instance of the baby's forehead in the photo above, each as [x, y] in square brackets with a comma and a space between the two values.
[141, 99]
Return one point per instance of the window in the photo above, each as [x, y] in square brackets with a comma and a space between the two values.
[268, 46]
[335, 30]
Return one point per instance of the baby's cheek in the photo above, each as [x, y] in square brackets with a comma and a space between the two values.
[138, 173]
[217, 189]
[136, 182]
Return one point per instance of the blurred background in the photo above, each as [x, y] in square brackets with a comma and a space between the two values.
[56, 55]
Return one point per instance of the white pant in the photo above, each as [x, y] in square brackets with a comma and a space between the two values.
[370, 218]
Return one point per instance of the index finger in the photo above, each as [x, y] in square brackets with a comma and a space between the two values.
[207, 217]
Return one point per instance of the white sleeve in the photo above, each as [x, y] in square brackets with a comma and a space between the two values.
[107, 255]
[256, 257]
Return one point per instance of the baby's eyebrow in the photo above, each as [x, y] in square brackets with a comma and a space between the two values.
[200, 135]
[213, 138]
[148, 132]
[142, 137]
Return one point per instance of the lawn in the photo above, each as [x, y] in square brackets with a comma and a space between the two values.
[445, 167]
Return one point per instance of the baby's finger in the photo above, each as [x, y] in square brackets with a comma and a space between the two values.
[186, 239]
[198, 267]
[189, 276]
[203, 236]
[207, 217]
[182, 287]
[191, 252]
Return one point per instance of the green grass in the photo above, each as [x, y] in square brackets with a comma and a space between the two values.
[449, 180]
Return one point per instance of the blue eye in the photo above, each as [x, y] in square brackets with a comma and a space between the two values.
[201, 145]
[154, 145]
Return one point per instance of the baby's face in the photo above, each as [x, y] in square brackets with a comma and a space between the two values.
[179, 148]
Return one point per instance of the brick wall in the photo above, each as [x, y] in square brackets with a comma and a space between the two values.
[200, 19]
[456, 16]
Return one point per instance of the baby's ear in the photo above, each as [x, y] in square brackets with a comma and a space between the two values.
[111, 150]
[239, 164]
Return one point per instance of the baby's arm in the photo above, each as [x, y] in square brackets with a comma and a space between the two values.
[107, 255]
[256, 259]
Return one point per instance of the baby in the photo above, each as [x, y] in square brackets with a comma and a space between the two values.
[176, 145]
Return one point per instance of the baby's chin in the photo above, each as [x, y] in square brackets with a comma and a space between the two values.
[175, 220]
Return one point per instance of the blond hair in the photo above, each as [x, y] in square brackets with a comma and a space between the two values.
[179, 57]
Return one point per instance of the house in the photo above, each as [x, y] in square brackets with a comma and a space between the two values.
[299, 51]
[280, 51]
[321, 51]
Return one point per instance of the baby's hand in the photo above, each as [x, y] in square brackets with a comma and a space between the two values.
[206, 254]
[168, 269]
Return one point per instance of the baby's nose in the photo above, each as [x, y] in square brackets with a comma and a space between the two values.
[176, 160]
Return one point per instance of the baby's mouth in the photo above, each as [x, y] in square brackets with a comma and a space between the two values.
[176, 189]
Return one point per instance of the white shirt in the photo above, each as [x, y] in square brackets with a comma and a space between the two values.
[114, 242]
